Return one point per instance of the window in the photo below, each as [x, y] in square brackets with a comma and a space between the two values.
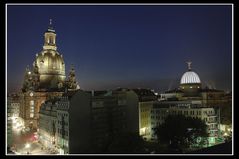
[32, 103]
[51, 40]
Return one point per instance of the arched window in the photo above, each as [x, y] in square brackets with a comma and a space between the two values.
[51, 40]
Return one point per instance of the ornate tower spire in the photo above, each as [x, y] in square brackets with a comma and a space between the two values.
[50, 27]
[50, 38]
[189, 65]
[71, 82]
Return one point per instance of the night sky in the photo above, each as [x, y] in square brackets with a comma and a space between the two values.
[125, 46]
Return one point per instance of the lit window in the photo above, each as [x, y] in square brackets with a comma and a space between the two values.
[32, 102]
[51, 40]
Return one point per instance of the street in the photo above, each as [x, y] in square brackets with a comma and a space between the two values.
[25, 141]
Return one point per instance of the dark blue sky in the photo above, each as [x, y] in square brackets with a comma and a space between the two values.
[126, 46]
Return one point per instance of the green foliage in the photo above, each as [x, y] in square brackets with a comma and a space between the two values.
[181, 131]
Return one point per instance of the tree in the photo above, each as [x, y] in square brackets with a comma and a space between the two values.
[179, 131]
[126, 143]
[226, 114]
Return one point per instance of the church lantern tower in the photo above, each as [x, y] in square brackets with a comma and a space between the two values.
[50, 63]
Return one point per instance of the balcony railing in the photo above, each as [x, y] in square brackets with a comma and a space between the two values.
[211, 122]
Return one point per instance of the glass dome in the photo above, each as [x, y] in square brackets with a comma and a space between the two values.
[190, 77]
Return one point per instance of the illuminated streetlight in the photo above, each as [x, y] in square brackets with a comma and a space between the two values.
[225, 134]
[27, 146]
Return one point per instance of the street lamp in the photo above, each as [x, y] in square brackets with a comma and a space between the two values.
[27, 146]
[225, 134]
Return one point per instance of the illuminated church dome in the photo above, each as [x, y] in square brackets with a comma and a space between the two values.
[190, 83]
[190, 76]
[50, 63]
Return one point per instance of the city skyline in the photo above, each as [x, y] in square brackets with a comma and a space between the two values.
[126, 46]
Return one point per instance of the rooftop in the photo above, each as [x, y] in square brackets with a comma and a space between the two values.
[145, 94]
[174, 91]
[211, 90]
